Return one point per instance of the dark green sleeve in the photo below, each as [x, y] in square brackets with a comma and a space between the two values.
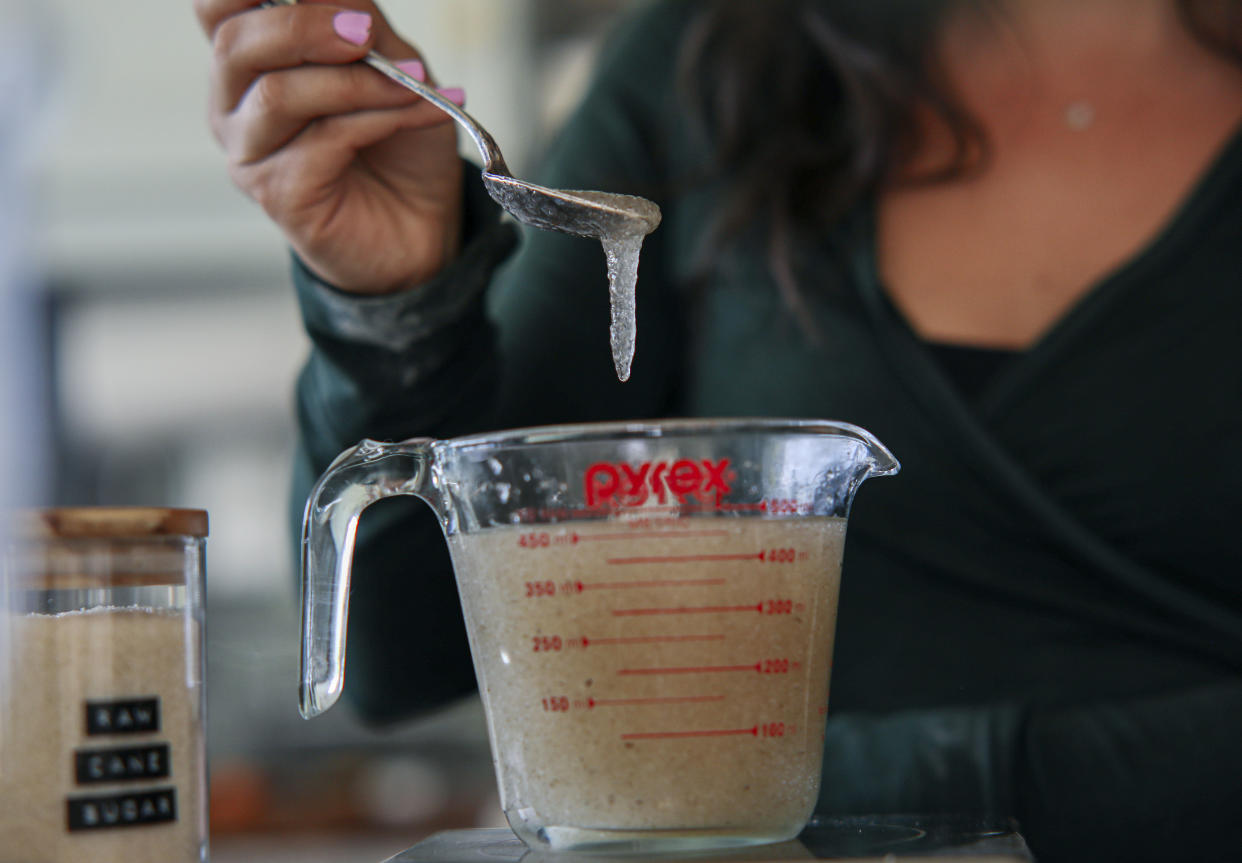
[434, 361]
[1144, 779]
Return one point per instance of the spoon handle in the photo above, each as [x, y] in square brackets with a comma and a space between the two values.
[493, 161]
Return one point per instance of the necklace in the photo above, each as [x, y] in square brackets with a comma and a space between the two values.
[1079, 115]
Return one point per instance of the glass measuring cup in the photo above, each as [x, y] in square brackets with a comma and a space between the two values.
[650, 608]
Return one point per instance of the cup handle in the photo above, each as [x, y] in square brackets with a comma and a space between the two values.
[357, 478]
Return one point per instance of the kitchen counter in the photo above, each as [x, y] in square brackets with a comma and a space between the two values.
[311, 847]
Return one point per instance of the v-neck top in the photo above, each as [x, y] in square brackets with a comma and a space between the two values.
[1042, 610]
[1093, 440]
[969, 367]
[1070, 495]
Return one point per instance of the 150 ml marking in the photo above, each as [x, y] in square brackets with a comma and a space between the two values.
[554, 643]
[592, 703]
[584, 641]
[563, 704]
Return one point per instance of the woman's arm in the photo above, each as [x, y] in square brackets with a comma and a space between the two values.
[432, 361]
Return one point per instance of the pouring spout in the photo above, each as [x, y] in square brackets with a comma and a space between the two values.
[883, 462]
[876, 460]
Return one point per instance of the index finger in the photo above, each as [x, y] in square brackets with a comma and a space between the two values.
[212, 13]
[249, 45]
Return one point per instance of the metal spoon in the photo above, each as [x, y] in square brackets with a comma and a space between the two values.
[603, 215]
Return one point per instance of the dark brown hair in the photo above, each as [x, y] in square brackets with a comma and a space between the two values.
[807, 105]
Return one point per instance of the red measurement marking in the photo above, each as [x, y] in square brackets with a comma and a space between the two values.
[545, 514]
[670, 509]
[652, 534]
[709, 507]
[649, 639]
[704, 609]
[683, 582]
[667, 735]
[691, 669]
[684, 558]
[636, 702]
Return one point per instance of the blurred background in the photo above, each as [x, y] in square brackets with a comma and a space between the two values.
[152, 342]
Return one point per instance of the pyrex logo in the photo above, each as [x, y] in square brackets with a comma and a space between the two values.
[633, 485]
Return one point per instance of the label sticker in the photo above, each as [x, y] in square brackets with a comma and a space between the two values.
[129, 716]
[126, 764]
[137, 809]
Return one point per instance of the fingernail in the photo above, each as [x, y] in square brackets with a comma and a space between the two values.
[353, 27]
[456, 95]
[414, 69]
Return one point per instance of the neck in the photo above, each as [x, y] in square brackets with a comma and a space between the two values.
[1043, 35]
[1040, 55]
[1018, 66]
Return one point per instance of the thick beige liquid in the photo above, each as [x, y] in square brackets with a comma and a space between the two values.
[655, 674]
[61, 662]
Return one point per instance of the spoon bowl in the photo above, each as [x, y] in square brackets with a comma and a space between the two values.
[578, 212]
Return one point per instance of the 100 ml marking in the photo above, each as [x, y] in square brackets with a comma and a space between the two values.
[759, 731]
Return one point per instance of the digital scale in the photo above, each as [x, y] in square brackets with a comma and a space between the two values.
[872, 838]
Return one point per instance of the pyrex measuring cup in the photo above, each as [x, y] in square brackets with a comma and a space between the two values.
[650, 608]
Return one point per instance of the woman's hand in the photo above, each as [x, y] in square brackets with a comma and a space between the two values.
[361, 174]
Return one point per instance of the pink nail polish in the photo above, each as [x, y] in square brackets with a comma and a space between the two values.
[354, 27]
[456, 95]
[414, 69]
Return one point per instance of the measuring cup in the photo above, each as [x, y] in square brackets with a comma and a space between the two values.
[650, 609]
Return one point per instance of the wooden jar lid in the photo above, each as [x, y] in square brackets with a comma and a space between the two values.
[78, 548]
[105, 522]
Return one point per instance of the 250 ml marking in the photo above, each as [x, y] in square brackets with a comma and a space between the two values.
[555, 643]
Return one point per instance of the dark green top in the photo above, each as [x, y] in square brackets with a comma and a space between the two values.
[1040, 616]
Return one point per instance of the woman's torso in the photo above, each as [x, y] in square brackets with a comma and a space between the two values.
[1057, 533]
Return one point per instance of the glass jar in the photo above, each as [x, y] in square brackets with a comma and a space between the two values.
[102, 754]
